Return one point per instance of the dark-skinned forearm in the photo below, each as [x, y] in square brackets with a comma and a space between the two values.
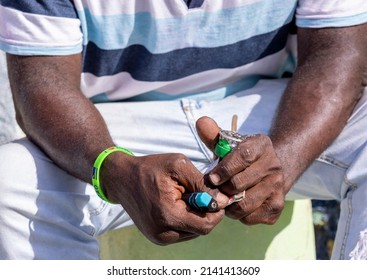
[54, 113]
[320, 97]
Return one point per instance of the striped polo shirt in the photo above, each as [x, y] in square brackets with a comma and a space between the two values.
[169, 49]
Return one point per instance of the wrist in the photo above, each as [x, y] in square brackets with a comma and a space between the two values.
[293, 162]
[104, 168]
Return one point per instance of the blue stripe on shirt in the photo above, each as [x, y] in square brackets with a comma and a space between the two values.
[27, 50]
[145, 66]
[57, 8]
[191, 4]
[213, 94]
[332, 22]
[164, 35]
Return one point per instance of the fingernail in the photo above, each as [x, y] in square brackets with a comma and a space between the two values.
[222, 200]
[214, 178]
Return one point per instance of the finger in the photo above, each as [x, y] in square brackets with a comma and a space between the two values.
[210, 200]
[178, 223]
[208, 131]
[252, 175]
[207, 222]
[254, 198]
[193, 181]
[221, 198]
[201, 223]
[173, 236]
[185, 174]
[268, 213]
[245, 154]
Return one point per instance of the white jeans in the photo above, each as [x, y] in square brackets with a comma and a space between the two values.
[8, 128]
[47, 214]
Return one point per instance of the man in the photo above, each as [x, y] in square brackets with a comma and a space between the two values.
[170, 64]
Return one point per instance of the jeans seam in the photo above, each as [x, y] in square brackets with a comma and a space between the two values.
[352, 188]
[187, 107]
[96, 211]
[333, 161]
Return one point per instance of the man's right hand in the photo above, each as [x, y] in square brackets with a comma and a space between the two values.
[150, 189]
[56, 115]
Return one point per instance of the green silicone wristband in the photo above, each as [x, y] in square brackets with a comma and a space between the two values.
[97, 166]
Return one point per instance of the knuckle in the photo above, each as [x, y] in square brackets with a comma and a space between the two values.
[278, 177]
[254, 220]
[272, 221]
[274, 209]
[278, 206]
[247, 153]
[265, 140]
[274, 165]
[278, 182]
[260, 139]
[239, 210]
[176, 162]
[224, 170]
[275, 184]
[163, 238]
[206, 230]
[248, 203]
[168, 220]
[238, 182]
[178, 159]
[163, 234]
[247, 221]
[180, 156]
[211, 222]
[233, 215]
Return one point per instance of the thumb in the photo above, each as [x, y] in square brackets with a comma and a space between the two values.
[208, 131]
[203, 185]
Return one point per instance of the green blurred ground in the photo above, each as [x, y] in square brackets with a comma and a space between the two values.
[292, 237]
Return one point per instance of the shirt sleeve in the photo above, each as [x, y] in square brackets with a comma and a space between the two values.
[331, 13]
[49, 27]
